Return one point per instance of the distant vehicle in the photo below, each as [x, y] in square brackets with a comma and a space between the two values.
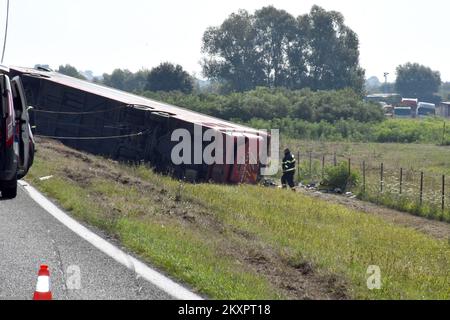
[425, 109]
[389, 98]
[403, 112]
[388, 111]
[16, 138]
[410, 103]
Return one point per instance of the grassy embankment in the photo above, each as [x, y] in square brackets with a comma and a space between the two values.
[244, 242]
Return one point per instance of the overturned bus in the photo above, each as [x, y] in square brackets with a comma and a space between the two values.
[126, 127]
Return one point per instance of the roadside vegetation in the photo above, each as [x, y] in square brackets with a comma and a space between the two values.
[405, 160]
[244, 242]
[427, 131]
[320, 116]
[266, 104]
[429, 158]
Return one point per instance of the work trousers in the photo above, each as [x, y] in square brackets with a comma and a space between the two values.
[288, 179]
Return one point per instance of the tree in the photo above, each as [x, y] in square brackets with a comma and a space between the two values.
[169, 77]
[271, 48]
[71, 71]
[138, 82]
[275, 33]
[333, 54]
[298, 56]
[118, 79]
[231, 52]
[373, 85]
[387, 88]
[417, 81]
[126, 80]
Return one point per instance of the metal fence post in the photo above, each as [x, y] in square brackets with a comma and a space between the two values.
[443, 193]
[421, 188]
[310, 164]
[335, 159]
[323, 167]
[381, 177]
[443, 134]
[349, 167]
[401, 180]
[364, 177]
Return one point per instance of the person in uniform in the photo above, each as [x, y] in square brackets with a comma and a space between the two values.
[288, 165]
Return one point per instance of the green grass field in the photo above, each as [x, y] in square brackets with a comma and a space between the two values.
[427, 157]
[244, 242]
[432, 160]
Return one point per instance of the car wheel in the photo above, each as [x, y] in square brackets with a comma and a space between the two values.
[10, 192]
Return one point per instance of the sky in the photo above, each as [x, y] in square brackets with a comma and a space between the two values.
[101, 35]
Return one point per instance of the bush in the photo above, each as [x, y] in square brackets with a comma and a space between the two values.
[304, 114]
[429, 130]
[267, 104]
[340, 177]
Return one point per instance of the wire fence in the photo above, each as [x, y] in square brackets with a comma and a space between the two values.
[407, 189]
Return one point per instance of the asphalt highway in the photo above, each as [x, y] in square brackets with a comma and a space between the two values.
[30, 236]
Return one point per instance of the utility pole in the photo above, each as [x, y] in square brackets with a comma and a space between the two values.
[385, 81]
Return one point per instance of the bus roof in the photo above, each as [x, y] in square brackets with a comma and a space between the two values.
[135, 100]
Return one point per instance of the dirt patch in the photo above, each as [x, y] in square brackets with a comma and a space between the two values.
[296, 281]
[61, 149]
[436, 229]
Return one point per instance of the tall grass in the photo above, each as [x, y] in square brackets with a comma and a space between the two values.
[433, 161]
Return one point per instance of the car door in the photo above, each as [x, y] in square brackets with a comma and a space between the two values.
[8, 159]
[24, 136]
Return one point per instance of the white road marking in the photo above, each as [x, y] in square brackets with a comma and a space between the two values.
[159, 280]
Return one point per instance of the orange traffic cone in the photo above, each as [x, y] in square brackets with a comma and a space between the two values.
[43, 285]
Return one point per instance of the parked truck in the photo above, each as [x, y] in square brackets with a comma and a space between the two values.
[402, 112]
[407, 108]
[425, 109]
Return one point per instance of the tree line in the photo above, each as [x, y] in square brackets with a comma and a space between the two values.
[260, 103]
[271, 65]
[269, 48]
[413, 81]
[277, 103]
[272, 48]
[165, 77]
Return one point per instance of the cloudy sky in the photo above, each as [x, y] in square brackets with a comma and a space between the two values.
[102, 35]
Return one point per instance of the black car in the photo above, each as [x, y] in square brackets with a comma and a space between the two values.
[16, 139]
